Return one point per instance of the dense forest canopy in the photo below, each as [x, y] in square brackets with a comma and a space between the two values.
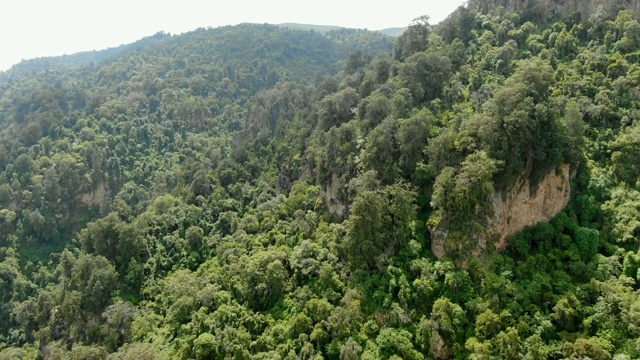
[260, 192]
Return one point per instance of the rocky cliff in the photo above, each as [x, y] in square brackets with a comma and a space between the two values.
[543, 9]
[518, 207]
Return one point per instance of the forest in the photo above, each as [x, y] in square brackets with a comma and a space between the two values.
[259, 192]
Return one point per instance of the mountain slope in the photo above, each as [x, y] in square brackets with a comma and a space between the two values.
[546, 9]
[259, 192]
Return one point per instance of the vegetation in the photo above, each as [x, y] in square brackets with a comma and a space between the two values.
[261, 192]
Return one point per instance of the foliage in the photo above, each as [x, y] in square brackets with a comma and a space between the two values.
[260, 192]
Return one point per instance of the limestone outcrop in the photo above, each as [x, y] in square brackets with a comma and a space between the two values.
[517, 207]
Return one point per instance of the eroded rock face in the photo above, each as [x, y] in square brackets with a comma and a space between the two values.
[552, 8]
[96, 197]
[332, 196]
[518, 207]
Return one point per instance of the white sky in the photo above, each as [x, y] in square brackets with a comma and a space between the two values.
[35, 28]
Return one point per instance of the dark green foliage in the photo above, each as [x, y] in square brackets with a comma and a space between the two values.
[114, 239]
[425, 74]
[414, 39]
[379, 225]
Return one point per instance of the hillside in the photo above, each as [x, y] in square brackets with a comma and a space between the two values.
[465, 190]
[86, 58]
[323, 29]
[395, 31]
[549, 9]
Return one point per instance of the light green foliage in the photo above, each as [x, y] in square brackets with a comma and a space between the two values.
[625, 206]
[441, 331]
[396, 342]
[566, 312]
[593, 348]
[487, 325]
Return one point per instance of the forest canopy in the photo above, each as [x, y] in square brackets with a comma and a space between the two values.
[260, 192]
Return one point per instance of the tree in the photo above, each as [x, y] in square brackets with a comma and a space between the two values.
[487, 325]
[351, 350]
[412, 136]
[379, 225]
[592, 348]
[205, 346]
[458, 25]
[375, 109]
[588, 242]
[443, 329]
[380, 152]
[425, 74]
[117, 327]
[396, 342]
[508, 344]
[95, 278]
[414, 39]
[114, 239]
[566, 312]
[336, 108]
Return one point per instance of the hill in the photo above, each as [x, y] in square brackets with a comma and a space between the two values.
[395, 32]
[33, 66]
[548, 9]
[306, 27]
[468, 190]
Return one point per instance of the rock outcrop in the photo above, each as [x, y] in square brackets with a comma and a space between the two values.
[97, 197]
[516, 208]
[520, 207]
[331, 195]
[550, 8]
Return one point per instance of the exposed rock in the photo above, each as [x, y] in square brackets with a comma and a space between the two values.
[96, 197]
[551, 8]
[516, 208]
[331, 196]
[438, 238]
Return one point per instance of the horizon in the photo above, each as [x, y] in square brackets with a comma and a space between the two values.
[70, 26]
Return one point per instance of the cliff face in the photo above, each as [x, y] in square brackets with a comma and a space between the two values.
[549, 8]
[332, 196]
[518, 207]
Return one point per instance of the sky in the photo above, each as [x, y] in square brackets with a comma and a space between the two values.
[36, 28]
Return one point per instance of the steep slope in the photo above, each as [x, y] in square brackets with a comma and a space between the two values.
[517, 207]
[165, 85]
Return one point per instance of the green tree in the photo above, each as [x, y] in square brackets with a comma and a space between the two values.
[379, 225]
[114, 239]
[414, 39]
[425, 74]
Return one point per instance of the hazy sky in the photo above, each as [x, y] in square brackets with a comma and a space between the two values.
[35, 28]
